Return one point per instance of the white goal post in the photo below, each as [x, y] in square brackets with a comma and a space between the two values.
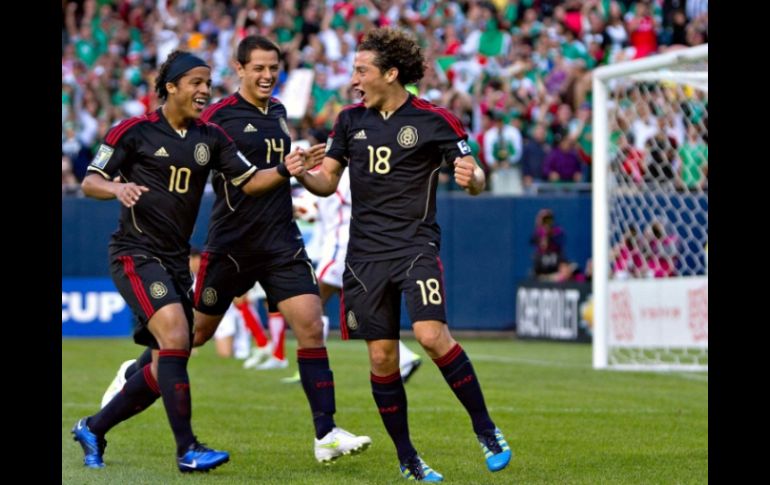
[650, 213]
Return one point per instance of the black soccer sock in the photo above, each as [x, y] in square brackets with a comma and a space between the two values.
[390, 397]
[140, 391]
[141, 361]
[459, 374]
[318, 383]
[175, 389]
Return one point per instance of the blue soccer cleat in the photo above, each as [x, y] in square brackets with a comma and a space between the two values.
[200, 458]
[93, 446]
[417, 470]
[495, 448]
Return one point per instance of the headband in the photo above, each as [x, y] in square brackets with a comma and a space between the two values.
[181, 65]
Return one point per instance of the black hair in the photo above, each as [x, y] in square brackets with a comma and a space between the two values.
[176, 65]
[254, 42]
[396, 48]
[160, 81]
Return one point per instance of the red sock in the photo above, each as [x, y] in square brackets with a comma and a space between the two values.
[252, 323]
[277, 333]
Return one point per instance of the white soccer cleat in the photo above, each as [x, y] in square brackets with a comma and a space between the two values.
[338, 442]
[408, 369]
[273, 363]
[117, 383]
[258, 355]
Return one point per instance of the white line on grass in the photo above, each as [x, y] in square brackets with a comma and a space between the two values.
[518, 360]
[551, 363]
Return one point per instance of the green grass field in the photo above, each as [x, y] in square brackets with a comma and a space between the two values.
[566, 423]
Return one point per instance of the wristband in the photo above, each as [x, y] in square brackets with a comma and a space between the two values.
[283, 171]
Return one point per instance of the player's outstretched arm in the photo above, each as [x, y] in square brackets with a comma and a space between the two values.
[469, 175]
[266, 180]
[322, 181]
[97, 187]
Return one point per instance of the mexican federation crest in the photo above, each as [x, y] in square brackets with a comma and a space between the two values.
[158, 290]
[351, 320]
[202, 154]
[209, 296]
[284, 126]
[407, 136]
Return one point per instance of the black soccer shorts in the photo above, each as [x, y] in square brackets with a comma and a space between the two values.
[148, 283]
[224, 276]
[371, 302]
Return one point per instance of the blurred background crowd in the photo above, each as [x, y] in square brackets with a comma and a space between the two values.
[517, 73]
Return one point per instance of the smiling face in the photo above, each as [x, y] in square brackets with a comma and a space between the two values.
[259, 76]
[371, 84]
[190, 94]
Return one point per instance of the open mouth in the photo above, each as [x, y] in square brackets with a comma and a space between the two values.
[200, 102]
[265, 86]
[360, 95]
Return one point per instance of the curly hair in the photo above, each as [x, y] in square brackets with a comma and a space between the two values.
[160, 81]
[396, 48]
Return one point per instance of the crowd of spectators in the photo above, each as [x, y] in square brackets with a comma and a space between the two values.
[517, 73]
[652, 254]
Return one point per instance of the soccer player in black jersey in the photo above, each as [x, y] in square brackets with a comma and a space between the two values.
[163, 160]
[256, 239]
[393, 144]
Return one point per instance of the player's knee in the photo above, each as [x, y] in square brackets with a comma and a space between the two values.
[310, 328]
[431, 338]
[200, 337]
[381, 359]
[175, 339]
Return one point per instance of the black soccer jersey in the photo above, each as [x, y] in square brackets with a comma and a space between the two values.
[394, 167]
[147, 151]
[243, 224]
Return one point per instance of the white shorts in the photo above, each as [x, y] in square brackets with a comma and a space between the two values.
[232, 325]
[332, 263]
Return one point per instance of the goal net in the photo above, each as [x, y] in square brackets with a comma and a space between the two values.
[650, 213]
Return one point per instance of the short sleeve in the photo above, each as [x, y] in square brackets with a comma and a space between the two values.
[111, 157]
[231, 162]
[450, 136]
[337, 143]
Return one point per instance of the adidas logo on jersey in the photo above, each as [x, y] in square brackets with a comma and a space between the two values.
[361, 135]
[249, 129]
[161, 152]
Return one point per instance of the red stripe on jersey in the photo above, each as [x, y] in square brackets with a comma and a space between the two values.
[441, 269]
[344, 108]
[209, 112]
[215, 126]
[448, 116]
[136, 285]
[343, 320]
[351, 106]
[114, 135]
[200, 277]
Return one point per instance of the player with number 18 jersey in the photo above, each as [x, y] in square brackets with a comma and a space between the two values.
[394, 164]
